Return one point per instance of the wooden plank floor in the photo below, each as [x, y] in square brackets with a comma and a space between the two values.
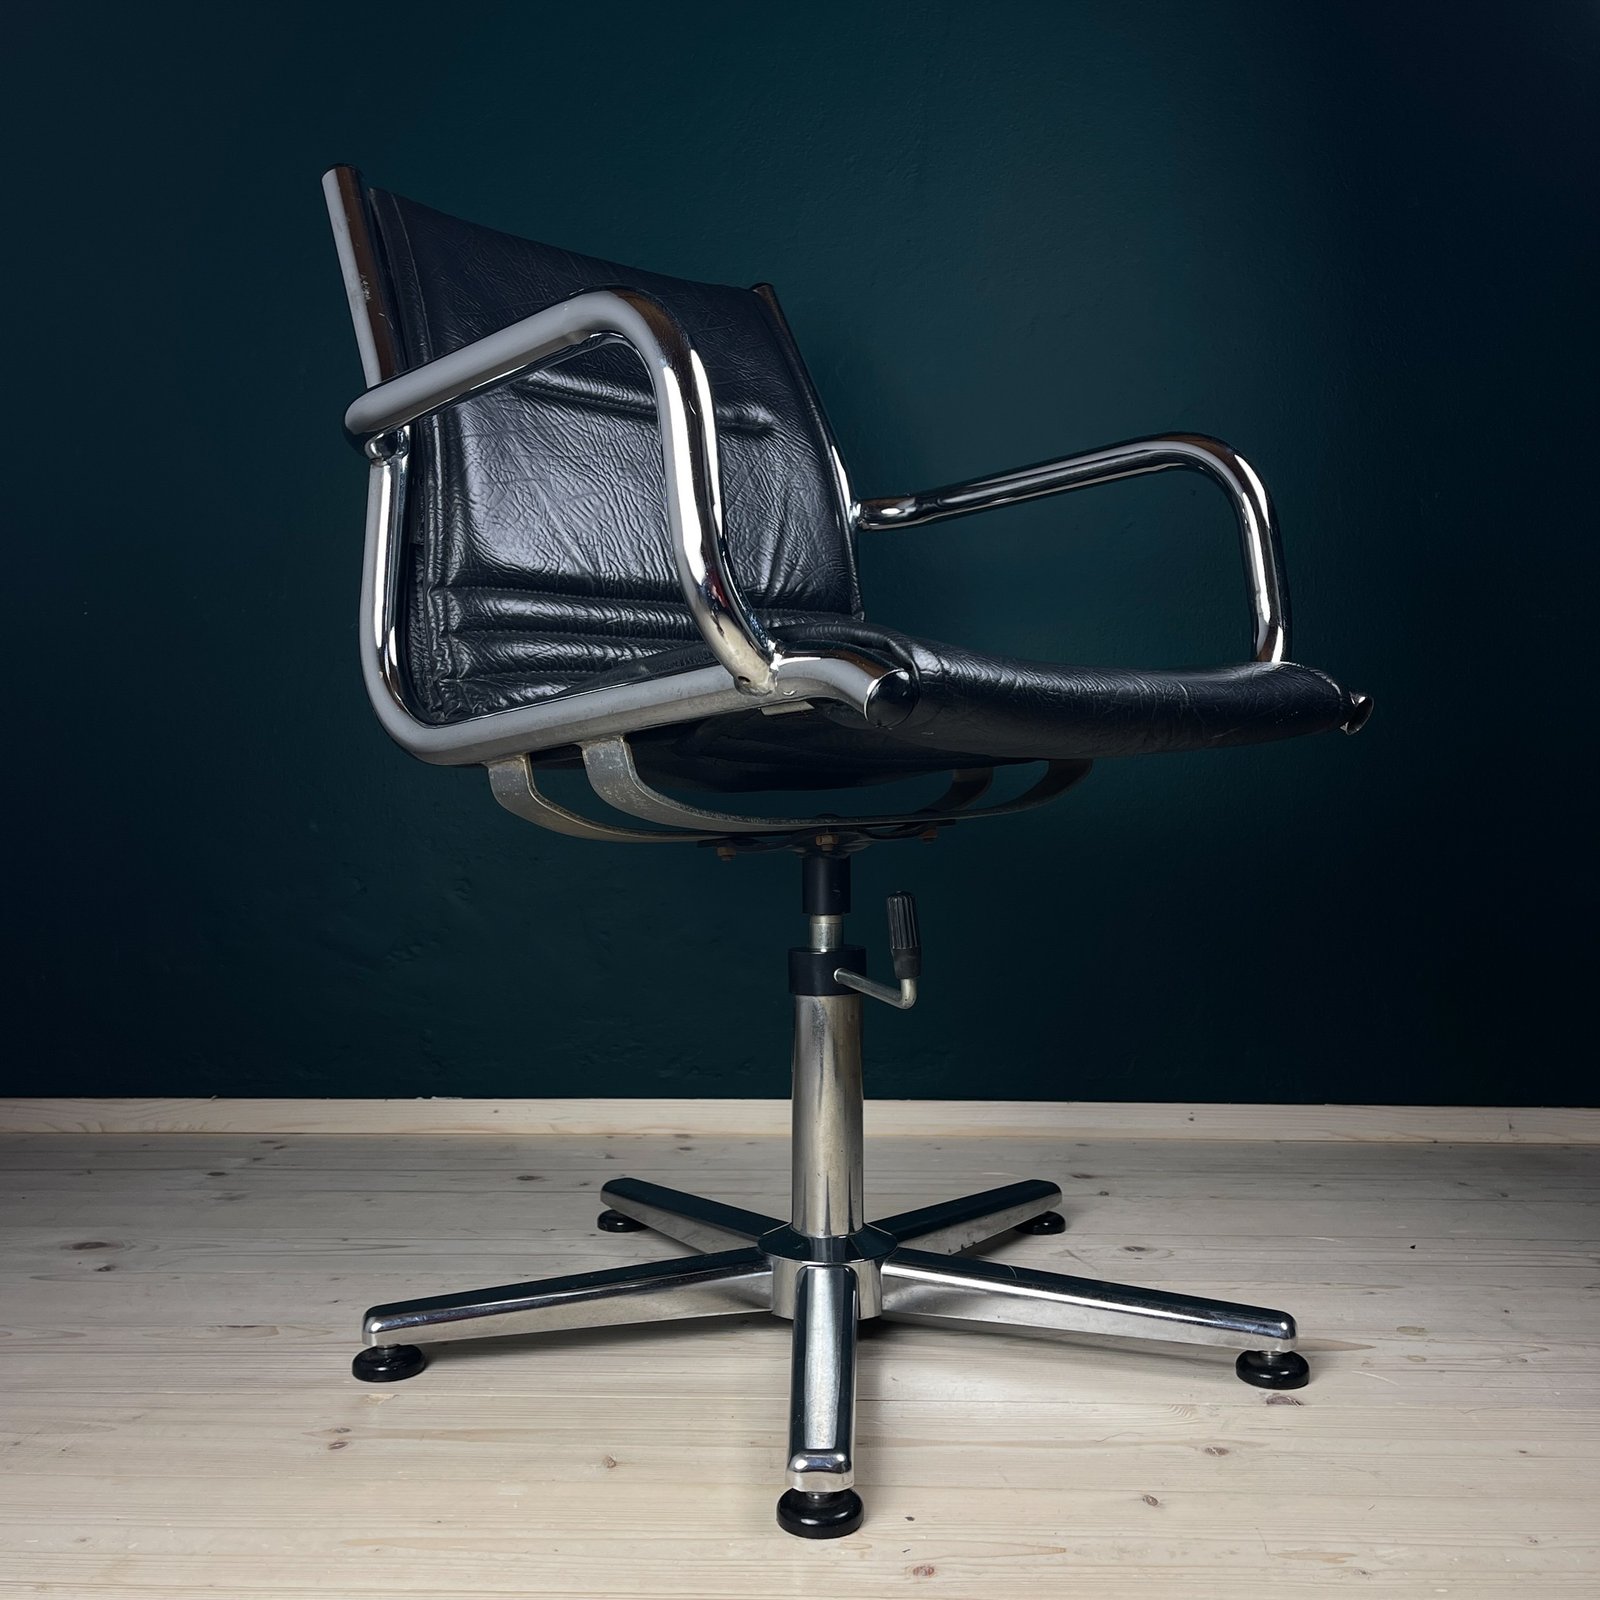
[177, 1418]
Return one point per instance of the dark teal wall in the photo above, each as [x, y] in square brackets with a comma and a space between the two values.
[1358, 241]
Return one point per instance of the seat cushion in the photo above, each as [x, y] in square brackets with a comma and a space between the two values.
[975, 710]
[1025, 710]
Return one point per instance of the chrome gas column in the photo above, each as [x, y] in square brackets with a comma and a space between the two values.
[827, 979]
[827, 1199]
[827, 1263]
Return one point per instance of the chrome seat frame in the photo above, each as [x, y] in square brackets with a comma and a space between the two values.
[750, 669]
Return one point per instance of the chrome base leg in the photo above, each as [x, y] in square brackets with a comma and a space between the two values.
[820, 1503]
[822, 1380]
[919, 1286]
[959, 1224]
[732, 1283]
[691, 1220]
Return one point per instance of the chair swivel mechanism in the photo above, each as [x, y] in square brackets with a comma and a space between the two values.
[608, 530]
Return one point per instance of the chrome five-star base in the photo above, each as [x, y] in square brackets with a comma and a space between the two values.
[826, 1269]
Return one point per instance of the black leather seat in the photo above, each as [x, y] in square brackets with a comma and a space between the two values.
[538, 559]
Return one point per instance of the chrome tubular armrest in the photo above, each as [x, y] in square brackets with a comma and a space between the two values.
[1258, 527]
[749, 662]
[688, 441]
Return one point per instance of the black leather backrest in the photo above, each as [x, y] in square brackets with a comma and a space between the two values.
[539, 551]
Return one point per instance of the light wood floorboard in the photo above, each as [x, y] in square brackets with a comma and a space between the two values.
[954, 1119]
[177, 1419]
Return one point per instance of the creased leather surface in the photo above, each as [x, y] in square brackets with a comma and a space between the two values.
[975, 710]
[1012, 708]
[538, 526]
[539, 558]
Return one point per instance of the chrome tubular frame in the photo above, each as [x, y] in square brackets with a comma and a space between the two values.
[1258, 526]
[751, 669]
[688, 441]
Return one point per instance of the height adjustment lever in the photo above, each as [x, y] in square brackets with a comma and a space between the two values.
[905, 942]
[905, 950]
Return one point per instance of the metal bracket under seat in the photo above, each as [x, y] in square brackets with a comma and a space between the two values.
[513, 785]
[614, 776]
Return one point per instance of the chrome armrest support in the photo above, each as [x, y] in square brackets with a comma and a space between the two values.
[1258, 527]
[688, 441]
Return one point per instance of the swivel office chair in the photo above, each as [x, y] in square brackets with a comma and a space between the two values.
[608, 529]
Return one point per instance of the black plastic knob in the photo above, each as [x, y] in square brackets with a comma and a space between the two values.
[905, 942]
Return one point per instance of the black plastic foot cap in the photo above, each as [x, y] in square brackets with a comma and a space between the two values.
[388, 1363]
[615, 1222]
[1273, 1369]
[830, 1515]
[1048, 1222]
